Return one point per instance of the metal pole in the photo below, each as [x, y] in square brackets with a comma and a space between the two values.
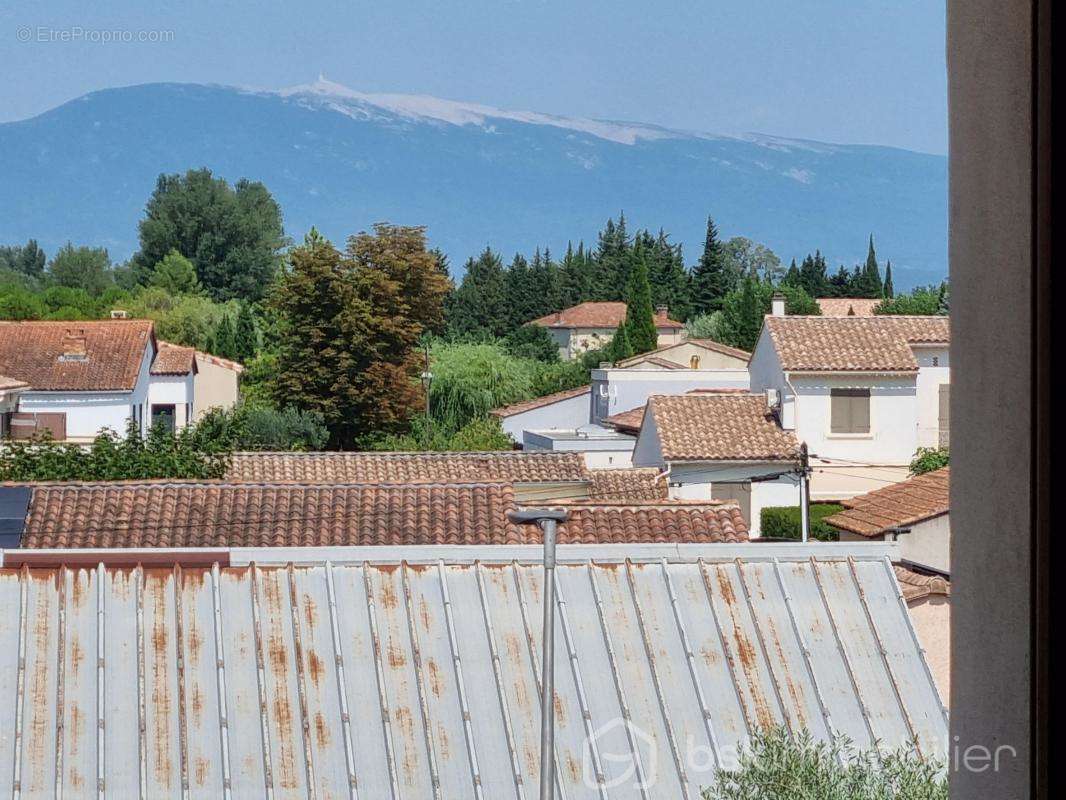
[805, 494]
[547, 519]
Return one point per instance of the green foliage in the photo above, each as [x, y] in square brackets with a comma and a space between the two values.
[712, 278]
[245, 335]
[87, 268]
[189, 320]
[224, 339]
[640, 316]
[174, 274]
[743, 310]
[21, 304]
[927, 459]
[552, 378]
[813, 275]
[248, 426]
[477, 435]
[922, 301]
[479, 307]
[620, 347]
[532, 341]
[347, 325]
[744, 258]
[233, 235]
[706, 326]
[469, 380]
[783, 522]
[159, 454]
[27, 259]
[776, 765]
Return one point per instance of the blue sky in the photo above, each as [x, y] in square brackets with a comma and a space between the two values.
[861, 71]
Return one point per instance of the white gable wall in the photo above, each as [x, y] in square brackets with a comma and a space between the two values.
[567, 414]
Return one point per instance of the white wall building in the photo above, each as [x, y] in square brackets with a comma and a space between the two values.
[721, 446]
[863, 392]
[80, 378]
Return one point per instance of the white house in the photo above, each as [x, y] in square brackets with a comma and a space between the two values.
[690, 354]
[863, 392]
[617, 389]
[721, 445]
[913, 512]
[590, 326]
[10, 389]
[82, 377]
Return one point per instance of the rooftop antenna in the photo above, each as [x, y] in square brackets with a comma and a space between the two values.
[548, 520]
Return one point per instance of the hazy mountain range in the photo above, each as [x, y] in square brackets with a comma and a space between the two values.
[474, 175]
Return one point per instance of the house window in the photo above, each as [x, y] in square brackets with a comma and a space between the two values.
[163, 413]
[850, 412]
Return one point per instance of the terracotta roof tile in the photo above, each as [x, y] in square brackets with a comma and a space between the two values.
[626, 421]
[850, 344]
[7, 383]
[171, 515]
[539, 402]
[75, 356]
[219, 361]
[719, 427]
[847, 306]
[416, 467]
[635, 485]
[918, 585]
[895, 506]
[173, 359]
[596, 315]
[706, 344]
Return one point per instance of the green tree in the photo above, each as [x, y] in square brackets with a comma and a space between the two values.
[744, 257]
[742, 314]
[888, 290]
[812, 275]
[233, 235]
[175, 274]
[611, 262]
[532, 341]
[347, 328]
[478, 307]
[87, 268]
[869, 277]
[245, 335]
[640, 315]
[575, 277]
[670, 284]
[921, 301]
[20, 304]
[225, 338]
[620, 347]
[27, 259]
[712, 279]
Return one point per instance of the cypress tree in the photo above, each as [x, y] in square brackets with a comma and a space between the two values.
[888, 291]
[792, 277]
[871, 274]
[711, 278]
[640, 315]
[620, 347]
[225, 339]
[246, 341]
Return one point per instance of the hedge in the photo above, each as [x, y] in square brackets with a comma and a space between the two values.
[783, 522]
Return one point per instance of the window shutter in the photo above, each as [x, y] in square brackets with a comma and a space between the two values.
[849, 411]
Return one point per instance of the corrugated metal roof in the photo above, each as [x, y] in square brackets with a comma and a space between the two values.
[379, 680]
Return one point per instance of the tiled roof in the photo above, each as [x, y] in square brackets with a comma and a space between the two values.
[596, 315]
[173, 359]
[7, 383]
[706, 344]
[539, 402]
[719, 427]
[853, 344]
[416, 467]
[626, 421]
[894, 506]
[918, 585]
[75, 356]
[219, 361]
[636, 485]
[173, 515]
[847, 306]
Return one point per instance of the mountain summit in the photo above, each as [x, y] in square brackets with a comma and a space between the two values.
[475, 175]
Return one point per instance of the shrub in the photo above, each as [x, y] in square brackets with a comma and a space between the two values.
[776, 765]
[159, 454]
[261, 427]
[479, 434]
[783, 522]
[469, 380]
[20, 304]
[532, 341]
[927, 459]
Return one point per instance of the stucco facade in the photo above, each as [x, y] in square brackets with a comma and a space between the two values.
[214, 386]
[931, 617]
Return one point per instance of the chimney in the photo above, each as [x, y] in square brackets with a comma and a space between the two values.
[118, 313]
[777, 305]
[74, 345]
[662, 312]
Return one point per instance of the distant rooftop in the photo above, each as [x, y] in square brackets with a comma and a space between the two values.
[597, 315]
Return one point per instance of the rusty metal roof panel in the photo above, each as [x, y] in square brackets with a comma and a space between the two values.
[360, 679]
